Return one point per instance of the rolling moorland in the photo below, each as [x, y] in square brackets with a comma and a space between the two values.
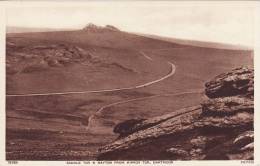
[67, 90]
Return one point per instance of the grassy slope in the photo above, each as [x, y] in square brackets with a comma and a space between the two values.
[113, 48]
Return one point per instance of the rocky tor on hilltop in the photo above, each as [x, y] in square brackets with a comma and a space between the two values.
[99, 29]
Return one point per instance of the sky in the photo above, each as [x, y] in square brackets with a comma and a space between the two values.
[217, 22]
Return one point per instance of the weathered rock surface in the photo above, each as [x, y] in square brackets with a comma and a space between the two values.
[177, 152]
[218, 129]
[144, 124]
[244, 146]
[244, 139]
[227, 106]
[238, 81]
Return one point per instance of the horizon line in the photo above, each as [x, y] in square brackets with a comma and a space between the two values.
[56, 29]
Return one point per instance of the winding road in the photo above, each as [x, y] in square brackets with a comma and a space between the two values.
[90, 119]
[172, 71]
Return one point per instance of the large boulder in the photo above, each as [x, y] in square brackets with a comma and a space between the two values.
[127, 127]
[238, 81]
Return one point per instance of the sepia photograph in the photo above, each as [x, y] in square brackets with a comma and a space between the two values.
[129, 81]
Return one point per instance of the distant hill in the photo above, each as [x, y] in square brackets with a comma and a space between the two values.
[91, 28]
[206, 44]
[109, 28]
[93, 35]
[12, 29]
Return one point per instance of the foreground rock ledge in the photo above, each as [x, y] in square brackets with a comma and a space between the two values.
[238, 81]
[221, 128]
